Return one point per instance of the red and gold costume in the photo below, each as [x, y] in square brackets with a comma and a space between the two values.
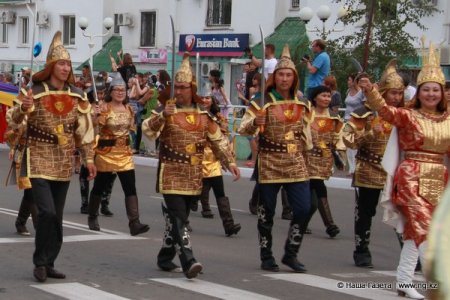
[326, 132]
[286, 135]
[56, 117]
[183, 138]
[113, 152]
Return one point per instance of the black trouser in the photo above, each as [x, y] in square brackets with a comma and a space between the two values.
[103, 181]
[84, 187]
[366, 201]
[138, 138]
[27, 207]
[223, 203]
[216, 183]
[49, 197]
[176, 236]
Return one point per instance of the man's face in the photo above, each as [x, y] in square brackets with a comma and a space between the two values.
[100, 95]
[183, 93]
[268, 52]
[61, 70]
[284, 78]
[394, 97]
[315, 48]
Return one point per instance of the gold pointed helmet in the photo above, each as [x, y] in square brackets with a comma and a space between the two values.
[431, 69]
[285, 61]
[56, 52]
[184, 73]
[390, 79]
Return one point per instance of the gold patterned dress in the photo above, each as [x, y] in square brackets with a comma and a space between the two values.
[113, 152]
[421, 177]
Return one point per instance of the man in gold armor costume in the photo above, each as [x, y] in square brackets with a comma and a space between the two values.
[183, 129]
[58, 120]
[284, 135]
[368, 133]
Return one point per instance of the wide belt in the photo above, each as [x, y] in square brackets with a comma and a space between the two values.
[168, 154]
[121, 141]
[270, 146]
[60, 137]
[425, 157]
[366, 155]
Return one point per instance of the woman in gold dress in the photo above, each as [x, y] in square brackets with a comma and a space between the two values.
[420, 179]
[114, 155]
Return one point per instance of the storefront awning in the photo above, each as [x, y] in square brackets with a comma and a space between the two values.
[102, 62]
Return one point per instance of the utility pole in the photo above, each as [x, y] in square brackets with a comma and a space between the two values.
[368, 34]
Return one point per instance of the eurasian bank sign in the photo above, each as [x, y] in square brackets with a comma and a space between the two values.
[214, 44]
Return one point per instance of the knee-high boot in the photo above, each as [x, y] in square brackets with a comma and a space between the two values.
[223, 204]
[132, 207]
[325, 212]
[106, 195]
[405, 270]
[183, 246]
[265, 224]
[362, 256]
[204, 199]
[291, 247]
[287, 211]
[94, 203]
[253, 203]
[167, 252]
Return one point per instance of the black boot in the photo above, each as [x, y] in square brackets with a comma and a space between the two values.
[182, 243]
[84, 190]
[287, 211]
[204, 199]
[362, 256]
[223, 204]
[132, 207]
[312, 211]
[105, 209]
[253, 203]
[167, 252]
[265, 224]
[27, 207]
[325, 212]
[106, 196]
[291, 247]
[94, 203]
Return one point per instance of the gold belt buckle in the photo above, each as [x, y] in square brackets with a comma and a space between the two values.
[191, 148]
[289, 136]
[195, 160]
[120, 142]
[62, 140]
[291, 148]
[59, 129]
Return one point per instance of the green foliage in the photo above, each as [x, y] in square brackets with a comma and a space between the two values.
[389, 38]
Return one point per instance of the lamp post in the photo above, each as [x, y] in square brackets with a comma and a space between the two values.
[323, 13]
[83, 23]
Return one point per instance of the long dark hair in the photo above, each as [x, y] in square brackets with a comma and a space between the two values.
[108, 97]
[442, 105]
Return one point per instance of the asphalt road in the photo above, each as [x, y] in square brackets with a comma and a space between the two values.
[113, 265]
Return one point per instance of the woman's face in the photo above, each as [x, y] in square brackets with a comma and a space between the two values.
[323, 100]
[118, 93]
[207, 102]
[349, 82]
[430, 94]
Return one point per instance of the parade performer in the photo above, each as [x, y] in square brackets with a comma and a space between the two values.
[58, 121]
[212, 172]
[369, 132]
[183, 129]
[326, 132]
[114, 155]
[284, 136]
[420, 179]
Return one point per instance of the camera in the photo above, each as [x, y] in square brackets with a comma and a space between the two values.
[306, 58]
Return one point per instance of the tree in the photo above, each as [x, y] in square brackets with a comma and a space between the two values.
[379, 38]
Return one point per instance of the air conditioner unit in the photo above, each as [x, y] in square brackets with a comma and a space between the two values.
[124, 19]
[42, 19]
[8, 17]
[445, 56]
[208, 66]
[8, 67]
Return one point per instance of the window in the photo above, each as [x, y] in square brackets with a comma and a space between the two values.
[219, 13]
[116, 22]
[295, 4]
[68, 30]
[3, 33]
[24, 32]
[148, 29]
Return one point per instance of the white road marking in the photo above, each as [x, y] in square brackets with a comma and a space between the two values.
[212, 289]
[77, 291]
[332, 285]
[417, 277]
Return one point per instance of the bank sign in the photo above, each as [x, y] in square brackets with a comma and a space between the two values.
[214, 44]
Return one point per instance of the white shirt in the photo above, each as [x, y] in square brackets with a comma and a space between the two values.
[269, 66]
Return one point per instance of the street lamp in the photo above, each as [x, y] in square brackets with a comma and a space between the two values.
[323, 13]
[83, 23]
